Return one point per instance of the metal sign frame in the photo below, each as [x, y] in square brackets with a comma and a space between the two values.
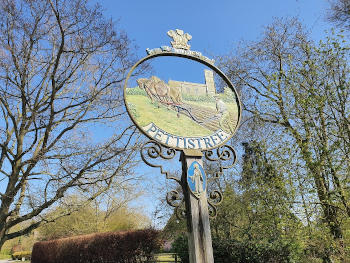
[194, 58]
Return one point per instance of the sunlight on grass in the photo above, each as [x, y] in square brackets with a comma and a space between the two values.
[166, 257]
[5, 256]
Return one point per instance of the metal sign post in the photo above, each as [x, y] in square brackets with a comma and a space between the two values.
[212, 123]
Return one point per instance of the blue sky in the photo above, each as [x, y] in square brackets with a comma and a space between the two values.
[214, 25]
[216, 28]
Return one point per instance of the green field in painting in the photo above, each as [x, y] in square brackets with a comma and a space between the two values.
[144, 112]
[231, 106]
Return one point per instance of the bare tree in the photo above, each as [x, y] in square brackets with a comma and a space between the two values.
[339, 13]
[61, 70]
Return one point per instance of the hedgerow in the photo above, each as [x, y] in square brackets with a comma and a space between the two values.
[136, 91]
[234, 251]
[119, 247]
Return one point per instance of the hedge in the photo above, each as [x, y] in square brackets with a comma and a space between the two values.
[234, 251]
[118, 247]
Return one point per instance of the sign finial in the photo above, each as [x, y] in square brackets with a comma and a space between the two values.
[180, 39]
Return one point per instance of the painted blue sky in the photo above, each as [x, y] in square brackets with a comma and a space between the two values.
[216, 27]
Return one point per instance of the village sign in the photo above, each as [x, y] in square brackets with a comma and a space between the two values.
[195, 119]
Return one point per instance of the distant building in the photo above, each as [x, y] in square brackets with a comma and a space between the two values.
[196, 89]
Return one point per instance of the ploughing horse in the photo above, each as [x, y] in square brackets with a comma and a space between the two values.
[159, 90]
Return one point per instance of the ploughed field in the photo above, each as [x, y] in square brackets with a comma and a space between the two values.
[188, 119]
[204, 116]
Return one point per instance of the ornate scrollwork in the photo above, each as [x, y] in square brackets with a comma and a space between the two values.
[180, 211]
[215, 197]
[226, 157]
[212, 210]
[174, 198]
[153, 150]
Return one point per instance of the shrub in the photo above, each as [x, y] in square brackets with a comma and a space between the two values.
[180, 247]
[118, 247]
[136, 91]
[21, 254]
[234, 251]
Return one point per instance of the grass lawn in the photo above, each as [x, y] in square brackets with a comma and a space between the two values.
[4, 256]
[166, 257]
[144, 112]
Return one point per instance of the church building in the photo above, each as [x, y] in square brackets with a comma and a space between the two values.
[196, 89]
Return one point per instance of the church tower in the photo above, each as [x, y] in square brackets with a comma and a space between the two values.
[209, 82]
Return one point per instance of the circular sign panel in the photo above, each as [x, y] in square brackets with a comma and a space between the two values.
[183, 114]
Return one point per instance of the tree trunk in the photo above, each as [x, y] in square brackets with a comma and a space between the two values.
[3, 238]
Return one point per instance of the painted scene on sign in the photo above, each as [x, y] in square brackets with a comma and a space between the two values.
[183, 108]
[181, 114]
